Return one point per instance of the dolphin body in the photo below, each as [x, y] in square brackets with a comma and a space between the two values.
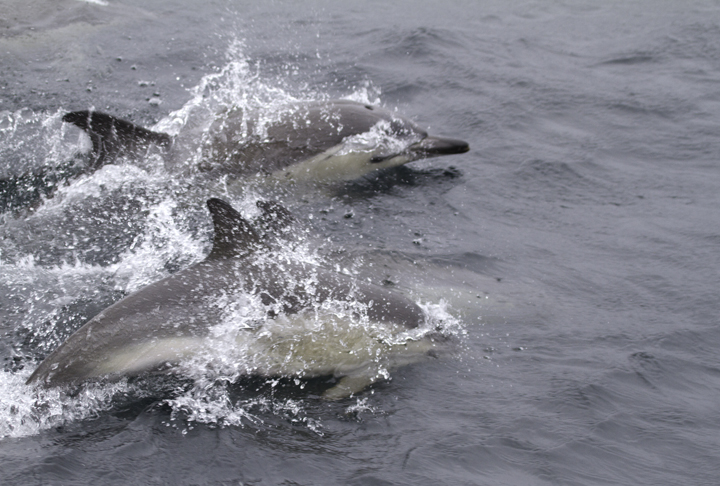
[321, 141]
[164, 323]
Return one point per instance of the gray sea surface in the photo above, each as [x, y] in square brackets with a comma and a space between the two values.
[573, 253]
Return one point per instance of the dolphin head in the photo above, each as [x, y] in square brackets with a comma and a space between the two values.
[422, 145]
[368, 139]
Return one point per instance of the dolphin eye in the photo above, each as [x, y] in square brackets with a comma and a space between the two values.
[369, 107]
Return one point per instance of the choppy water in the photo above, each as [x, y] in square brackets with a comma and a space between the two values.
[572, 253]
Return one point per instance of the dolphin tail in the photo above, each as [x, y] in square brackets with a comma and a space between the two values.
[112, 137]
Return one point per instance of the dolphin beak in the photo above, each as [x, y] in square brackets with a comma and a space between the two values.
[432, 146]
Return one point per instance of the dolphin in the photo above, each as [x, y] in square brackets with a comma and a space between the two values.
[314, 323]
[323, 141]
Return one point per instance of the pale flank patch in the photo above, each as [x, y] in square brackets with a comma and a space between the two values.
[146, 356]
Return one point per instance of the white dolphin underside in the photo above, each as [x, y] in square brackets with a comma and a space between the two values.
[291, 346]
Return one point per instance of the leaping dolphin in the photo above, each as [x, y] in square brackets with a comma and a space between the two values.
[164, 323]
[316, 141]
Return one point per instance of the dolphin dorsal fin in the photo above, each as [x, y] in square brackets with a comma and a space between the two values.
[233, 234]
[112, 136]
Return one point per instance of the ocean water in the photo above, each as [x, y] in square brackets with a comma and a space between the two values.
[571, 257]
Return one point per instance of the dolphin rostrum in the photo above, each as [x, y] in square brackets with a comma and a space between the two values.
[315, 141]
[313, 322]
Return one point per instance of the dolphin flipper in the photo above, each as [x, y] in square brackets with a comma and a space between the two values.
[112, 137]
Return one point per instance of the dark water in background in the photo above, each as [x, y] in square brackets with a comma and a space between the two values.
[577, 242]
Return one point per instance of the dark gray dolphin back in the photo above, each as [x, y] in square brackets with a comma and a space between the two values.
[236, 237]
[322, 125]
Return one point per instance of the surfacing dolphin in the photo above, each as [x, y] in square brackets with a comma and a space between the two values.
[314, 141]
[313, 322]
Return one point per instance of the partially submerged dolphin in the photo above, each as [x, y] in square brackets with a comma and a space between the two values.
[315, 141]
[315, 322]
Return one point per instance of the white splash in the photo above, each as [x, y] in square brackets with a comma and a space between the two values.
[245, 341]
[27, 410]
